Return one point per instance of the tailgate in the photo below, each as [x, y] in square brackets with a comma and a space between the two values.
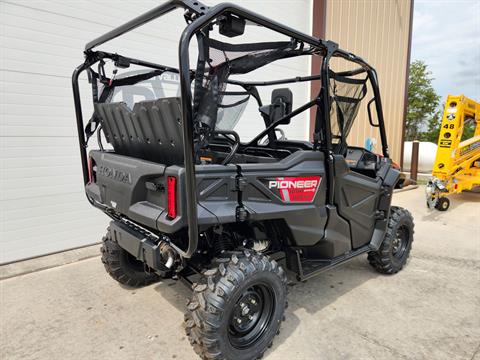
[130, 186]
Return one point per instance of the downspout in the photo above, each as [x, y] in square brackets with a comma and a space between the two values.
[407, 75]
[319, 22]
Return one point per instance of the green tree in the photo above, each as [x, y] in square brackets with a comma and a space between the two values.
[433, 128]
[422, 115]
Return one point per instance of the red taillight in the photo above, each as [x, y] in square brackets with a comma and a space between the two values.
[172, 196]
[90, 170]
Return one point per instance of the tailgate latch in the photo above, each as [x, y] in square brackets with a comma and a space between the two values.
[150, 185]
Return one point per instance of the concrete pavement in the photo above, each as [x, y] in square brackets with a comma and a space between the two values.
[431, 310]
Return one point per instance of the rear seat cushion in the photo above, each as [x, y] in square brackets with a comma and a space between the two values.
[151, 131]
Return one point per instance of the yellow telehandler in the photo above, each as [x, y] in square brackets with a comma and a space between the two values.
[457, 164]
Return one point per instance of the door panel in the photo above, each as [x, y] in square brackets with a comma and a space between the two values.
[356, 197]
[292, 189]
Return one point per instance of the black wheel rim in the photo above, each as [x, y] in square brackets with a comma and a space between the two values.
[400, 243]
[251, 316]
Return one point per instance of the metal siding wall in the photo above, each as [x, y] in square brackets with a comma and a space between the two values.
[376, 30]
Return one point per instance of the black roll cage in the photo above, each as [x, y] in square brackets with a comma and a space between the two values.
[198, 16]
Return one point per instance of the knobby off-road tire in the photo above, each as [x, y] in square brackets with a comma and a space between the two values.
[123, 266]
[395, 249]
[236, 311]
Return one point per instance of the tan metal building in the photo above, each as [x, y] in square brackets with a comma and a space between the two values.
[380, 32]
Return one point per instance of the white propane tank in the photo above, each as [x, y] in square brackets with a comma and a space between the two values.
[426, 156]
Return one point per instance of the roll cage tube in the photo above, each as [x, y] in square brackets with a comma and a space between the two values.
[195, 6]
[372, 75]
[328, 129]
[187, 111]
[79, 117]
[200, 16]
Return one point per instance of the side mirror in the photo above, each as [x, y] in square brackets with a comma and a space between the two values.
[232, 26]
[282, 101]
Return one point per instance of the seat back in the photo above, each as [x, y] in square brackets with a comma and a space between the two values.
[151, 131]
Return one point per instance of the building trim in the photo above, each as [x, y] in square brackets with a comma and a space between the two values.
[407, 75]
[319, 25]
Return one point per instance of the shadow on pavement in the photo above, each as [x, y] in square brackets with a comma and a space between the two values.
[321, 291]
[312, 295]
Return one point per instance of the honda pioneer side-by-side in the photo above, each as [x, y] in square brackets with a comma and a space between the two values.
[193, 198]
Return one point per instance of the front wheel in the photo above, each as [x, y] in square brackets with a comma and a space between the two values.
[443, 204]
[395, 249]
[237, 310]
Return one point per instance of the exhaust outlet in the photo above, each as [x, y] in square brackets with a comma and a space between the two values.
[147, 247]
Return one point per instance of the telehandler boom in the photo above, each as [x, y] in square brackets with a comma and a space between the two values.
[457, 164]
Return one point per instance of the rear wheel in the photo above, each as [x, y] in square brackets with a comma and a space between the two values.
[395, 249]
[124, 267]
[236, 311]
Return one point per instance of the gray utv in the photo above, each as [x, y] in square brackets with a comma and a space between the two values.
[190, 200]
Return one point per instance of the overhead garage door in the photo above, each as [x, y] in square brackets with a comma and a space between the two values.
[42, 203]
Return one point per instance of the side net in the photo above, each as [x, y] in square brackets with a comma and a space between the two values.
[346, 94]
[216, 62]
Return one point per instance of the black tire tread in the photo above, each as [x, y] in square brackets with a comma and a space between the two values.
[204, 309]
[113, 260]
[440, 202]
[380, 259]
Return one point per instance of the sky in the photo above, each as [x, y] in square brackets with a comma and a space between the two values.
[446, 35]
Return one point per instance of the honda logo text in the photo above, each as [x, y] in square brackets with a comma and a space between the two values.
[114, 174]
